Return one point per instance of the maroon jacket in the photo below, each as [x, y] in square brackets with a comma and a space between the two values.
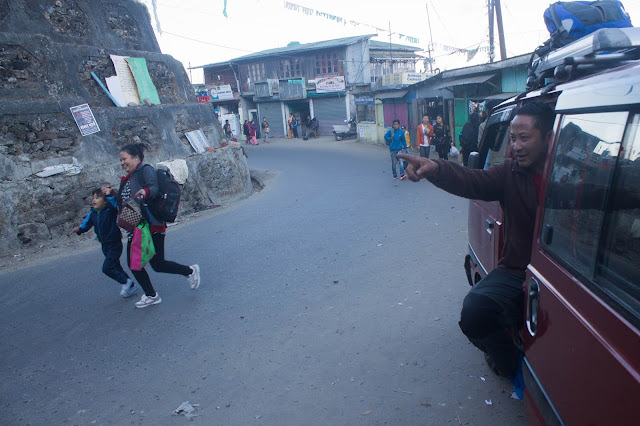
[514, 188]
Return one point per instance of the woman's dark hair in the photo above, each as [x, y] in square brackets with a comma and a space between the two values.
[99, 194]
[135, 150]
[474, 120]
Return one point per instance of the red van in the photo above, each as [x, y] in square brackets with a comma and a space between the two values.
[581, 331]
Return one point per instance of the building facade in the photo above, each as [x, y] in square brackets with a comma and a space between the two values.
[317, 80]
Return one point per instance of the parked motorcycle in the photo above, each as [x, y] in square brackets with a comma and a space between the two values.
[345, 131]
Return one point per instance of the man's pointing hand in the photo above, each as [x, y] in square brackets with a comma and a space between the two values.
[419, 167]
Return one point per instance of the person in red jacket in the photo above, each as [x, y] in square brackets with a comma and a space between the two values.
[495, 304]
[424, 133]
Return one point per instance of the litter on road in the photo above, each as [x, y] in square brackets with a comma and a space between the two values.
[186, 409]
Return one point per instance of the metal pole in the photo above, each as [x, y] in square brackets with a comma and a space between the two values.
[492, 51]
[430, 39]
[503, 47]
[390, 51]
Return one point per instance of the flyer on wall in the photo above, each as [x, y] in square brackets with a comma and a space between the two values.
[85, 120]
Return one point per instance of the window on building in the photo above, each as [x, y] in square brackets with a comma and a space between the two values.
[290, 68]
[328, 64]
[366, 113]
[591, 220]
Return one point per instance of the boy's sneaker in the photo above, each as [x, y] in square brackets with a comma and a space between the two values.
[148, 301]
[194, 278]
[128, 289]
[403, 177]
[395, 177]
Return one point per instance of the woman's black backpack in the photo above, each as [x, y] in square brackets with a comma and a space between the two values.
[165, 206]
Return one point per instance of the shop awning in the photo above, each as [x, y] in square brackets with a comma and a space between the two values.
[478, 79]
[392, 95]
[505, 95]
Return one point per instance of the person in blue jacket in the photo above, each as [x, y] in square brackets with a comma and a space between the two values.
[103, 218]
[397, 142]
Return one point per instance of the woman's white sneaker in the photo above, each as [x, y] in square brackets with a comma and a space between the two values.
[148, 301]
[194, 278]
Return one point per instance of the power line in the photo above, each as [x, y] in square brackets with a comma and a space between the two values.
[206, 42]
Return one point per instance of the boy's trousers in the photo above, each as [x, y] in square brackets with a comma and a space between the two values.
[111, 266]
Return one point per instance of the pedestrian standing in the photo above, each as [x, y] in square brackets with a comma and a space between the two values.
[469, 137]
[245, 131]
[425, 133]
[397, 142]
[227, 130]
[102, 218]
[442, 138]
[252, 132]
[265, 129]
[290, 125]
[294, 126]
[141, 182]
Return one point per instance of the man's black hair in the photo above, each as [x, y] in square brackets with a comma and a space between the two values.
[396, 121]
[543, 114]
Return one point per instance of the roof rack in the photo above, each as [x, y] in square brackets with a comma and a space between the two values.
[605, 48]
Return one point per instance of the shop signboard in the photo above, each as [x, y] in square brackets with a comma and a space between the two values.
[221, 93]
[330, 84]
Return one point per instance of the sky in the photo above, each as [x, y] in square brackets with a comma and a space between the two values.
[196, 32]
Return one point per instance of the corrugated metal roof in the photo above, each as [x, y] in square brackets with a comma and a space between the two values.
[280, 51]
[385, 46]
[477, 79]
[505, 95]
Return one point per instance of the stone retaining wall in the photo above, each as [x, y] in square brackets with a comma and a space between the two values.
[48, 50]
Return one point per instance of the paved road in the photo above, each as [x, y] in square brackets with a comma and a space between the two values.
[331, 297]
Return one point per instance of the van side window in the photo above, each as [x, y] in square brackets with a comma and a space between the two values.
[618, 271]
[498, 148]
[588, 217]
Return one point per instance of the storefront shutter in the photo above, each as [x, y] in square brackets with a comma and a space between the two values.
[329, 111]
[273, 112]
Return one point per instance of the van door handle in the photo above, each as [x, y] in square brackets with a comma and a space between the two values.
[489, 228]
[533, 303]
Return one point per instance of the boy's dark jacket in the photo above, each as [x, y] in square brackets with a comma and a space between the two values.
[104, 222]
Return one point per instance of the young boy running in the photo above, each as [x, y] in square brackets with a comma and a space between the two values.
[103, 217]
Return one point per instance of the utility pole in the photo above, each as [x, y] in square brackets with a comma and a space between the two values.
[430, 39]
[390, 51]
[492, 47]
[503, 47]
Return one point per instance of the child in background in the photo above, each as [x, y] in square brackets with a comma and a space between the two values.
[103, 218]
[407, 137]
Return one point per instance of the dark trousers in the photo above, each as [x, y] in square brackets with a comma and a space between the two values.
[491, 313]
[443, 150]
[158, 263]
[111, 266]
[424, 151]
[295, 132]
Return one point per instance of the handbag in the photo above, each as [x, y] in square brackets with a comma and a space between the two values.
[129, 216]
[142, 248]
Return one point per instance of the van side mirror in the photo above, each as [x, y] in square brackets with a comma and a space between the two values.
[474, 161]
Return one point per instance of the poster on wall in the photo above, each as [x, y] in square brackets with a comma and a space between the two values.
[198, 141]
[221, 93]
[85, 120]
[127, 83]
[330, 84]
